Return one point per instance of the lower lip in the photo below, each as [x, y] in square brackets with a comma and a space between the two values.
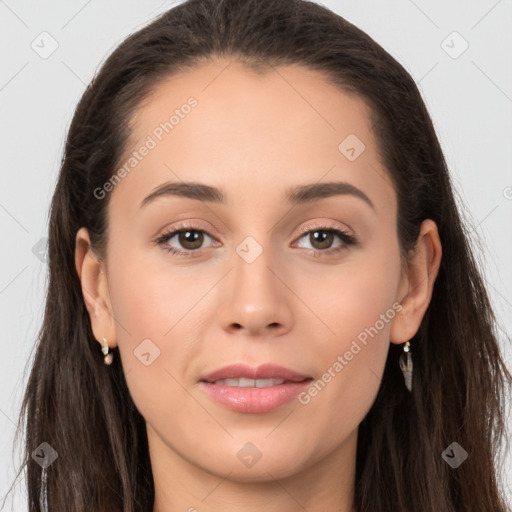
[254, 400]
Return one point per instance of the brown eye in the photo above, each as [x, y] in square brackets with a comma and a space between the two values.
[190, 239]
[321, 239]
[186, 241]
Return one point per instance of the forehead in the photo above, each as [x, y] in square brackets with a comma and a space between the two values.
[292, 101]
[224, 124]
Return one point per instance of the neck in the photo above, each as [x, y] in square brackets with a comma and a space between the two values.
[326, 485]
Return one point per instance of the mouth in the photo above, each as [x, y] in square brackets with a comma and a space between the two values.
[243, 382]
[246, 389]
[247, 376]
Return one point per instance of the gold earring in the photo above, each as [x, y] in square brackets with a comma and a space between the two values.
[108, 357]
[406, 365]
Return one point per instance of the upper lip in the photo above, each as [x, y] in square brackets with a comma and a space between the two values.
[264, 371]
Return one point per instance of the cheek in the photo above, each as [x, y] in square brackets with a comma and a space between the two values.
[149, 295]
[159, 308]
[350, 298]
[357, 307]
[150, 304]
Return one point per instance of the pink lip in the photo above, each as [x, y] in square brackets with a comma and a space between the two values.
[264, 371]
[254, 400]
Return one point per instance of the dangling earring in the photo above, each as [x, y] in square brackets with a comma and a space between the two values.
[406, 365]
[108, 357]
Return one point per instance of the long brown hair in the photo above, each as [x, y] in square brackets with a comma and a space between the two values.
[84, 410]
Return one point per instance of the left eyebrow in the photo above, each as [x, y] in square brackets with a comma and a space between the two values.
[295, 195]
[315, 191]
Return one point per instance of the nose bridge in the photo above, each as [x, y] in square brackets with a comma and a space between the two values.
[258, 259]
[253, 263]
[257, 300]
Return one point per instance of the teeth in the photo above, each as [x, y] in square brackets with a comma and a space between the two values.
[242, 382]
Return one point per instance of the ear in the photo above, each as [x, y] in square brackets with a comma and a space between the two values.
[93, 278]
[417, 283]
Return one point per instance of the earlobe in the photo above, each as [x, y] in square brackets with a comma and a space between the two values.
[93, 279]
[416, 292]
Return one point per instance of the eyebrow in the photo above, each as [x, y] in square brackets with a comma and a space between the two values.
[295, 195]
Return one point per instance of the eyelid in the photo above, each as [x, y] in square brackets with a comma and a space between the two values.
[172, 231]
[183, 226]
[325, 225]
[348, 239]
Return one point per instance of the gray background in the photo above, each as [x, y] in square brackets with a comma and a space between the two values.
[469, 96]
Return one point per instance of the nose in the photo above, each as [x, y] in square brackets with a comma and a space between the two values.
[257, 296]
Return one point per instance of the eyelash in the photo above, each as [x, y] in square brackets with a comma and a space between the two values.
[348, 240]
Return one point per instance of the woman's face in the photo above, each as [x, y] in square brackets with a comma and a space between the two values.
[261, 278]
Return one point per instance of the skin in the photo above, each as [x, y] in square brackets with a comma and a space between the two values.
[254, 136]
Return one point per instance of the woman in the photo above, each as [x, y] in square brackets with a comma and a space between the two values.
[255, 227]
